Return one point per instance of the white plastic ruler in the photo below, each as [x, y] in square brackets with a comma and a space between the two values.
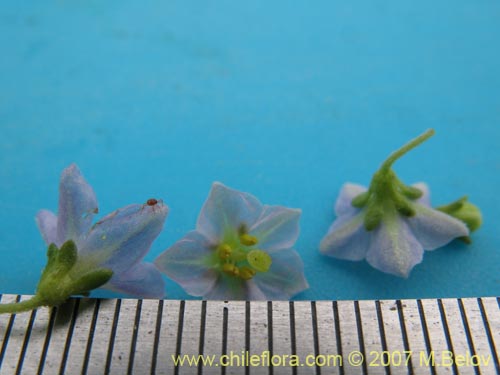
[127, 336]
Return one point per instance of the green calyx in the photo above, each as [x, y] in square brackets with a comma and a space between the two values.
[238, 255]
[466, 212]
[388, 194]
[59, 280]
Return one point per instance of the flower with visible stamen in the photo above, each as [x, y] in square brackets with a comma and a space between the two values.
[240, 249]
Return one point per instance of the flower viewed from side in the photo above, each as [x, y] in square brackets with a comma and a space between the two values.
[241, 249]
[118, 242]
[390, 224]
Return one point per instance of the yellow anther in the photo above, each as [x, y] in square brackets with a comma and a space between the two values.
[248, 240]
[230, 269]
[225, 251]
[259, 260]
[246, 273]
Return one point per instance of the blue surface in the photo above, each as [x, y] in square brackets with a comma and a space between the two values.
[287, 101]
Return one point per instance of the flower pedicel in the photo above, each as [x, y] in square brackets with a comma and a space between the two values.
[390, 223]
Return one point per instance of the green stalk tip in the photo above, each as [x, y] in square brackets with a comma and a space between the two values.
[407, 147]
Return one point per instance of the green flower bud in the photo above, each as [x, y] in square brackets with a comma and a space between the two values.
[464, 211]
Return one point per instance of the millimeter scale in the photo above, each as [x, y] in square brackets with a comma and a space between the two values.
[130, 336]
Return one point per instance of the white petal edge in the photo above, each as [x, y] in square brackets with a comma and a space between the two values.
[433, 228]
[187, 263]
[142, 280]
[347, 238]
[77, 205]
[47, 224]
[285, 278]
[226, 207]
[277, 228]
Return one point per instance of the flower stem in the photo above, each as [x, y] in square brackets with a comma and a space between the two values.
[17, 307]
[407, 147]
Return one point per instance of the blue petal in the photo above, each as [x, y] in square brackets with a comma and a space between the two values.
[277, 228]
[433, 228]
[230, 288]
[47, 224]
[189, 263]
[348, 192]
[347, 238]
[394, 249]
[142, 280]
[77, 205]
[285, 277]
[224, 208]
[123, 237]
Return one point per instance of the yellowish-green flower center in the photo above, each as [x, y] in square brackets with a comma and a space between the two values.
[238, 255]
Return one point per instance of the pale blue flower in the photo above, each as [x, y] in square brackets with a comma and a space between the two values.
[398, 242]
[390, 224]
[240, 249]
[117, 242]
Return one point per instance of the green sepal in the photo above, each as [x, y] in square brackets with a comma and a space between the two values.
[63, 277]
[464, 211]
[92, 280]
[373, 217]
[453, 206]
[68, 255]
[411, 192]
[360, 200]
[403, 206]
[52, 253]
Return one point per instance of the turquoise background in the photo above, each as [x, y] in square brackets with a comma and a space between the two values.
[287, 100]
